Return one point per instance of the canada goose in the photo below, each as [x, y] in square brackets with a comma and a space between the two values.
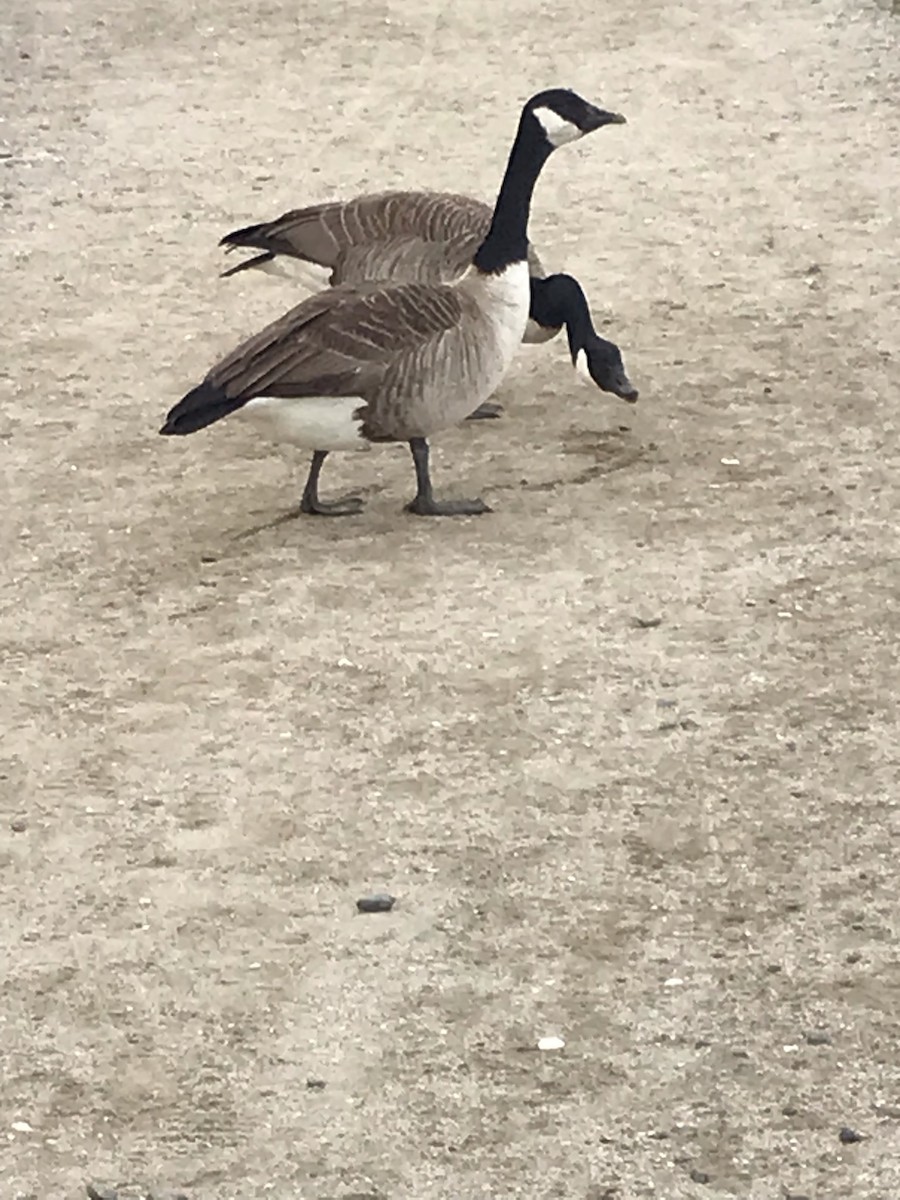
[375, 362]
[396, 236]
[401, 236]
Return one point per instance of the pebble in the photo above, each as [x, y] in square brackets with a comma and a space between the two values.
[18, 824]
[700, 1176]
[848, 1136]
[316, 1085]
[647, 622]
[379, 902]
[818, 1037]
[101, 1193]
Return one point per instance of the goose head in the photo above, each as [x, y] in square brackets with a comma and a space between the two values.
[558, 300]
[600, 362]
[559, 115]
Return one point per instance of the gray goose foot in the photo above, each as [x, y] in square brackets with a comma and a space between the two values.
[425, 504]
[312, 506]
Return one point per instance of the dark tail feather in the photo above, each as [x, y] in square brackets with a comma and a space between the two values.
[256, 261]
[202, 406]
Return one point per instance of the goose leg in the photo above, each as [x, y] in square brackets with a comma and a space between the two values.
[313, 506]
[425, 504]
[485, 412]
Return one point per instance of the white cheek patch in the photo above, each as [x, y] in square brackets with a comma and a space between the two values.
[581, 366]
[557, 128]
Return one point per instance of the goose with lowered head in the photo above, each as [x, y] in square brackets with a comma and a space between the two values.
[406, 237]
[363, 363]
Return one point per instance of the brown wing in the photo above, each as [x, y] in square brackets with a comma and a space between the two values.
[343, 342]
[408, 259]
[340, 342]
[323, 233]
[402, 236]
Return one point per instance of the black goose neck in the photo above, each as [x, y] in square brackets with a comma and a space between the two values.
[550, 300]
[559, 300]
[507, 239]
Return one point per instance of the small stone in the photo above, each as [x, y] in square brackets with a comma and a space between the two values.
[21, 1127]
[18, 824]
[789, 1110]
[647, 622]
[853, 957]
[796, 1196]
[700, 1176]
[316, 1085]
[848, 1136]
[379, 902]
[550, 1043]
[817, 1037]
[101, 1193]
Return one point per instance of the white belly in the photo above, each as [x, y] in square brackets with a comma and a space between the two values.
[314, 423]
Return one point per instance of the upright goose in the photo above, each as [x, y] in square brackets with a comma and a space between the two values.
[403, 237]
[374, 362]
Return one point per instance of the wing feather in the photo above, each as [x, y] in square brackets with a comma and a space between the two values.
[340, 342]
